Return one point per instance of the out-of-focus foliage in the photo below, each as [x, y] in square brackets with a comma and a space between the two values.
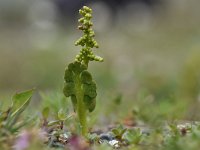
[11, 121]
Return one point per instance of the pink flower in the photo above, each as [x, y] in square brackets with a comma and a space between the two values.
[23, 141]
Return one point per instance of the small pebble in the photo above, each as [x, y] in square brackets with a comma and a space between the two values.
[114, 143]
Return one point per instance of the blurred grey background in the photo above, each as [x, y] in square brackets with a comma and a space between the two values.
[151, 44]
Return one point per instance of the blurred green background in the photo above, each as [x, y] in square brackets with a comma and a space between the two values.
[155, 49]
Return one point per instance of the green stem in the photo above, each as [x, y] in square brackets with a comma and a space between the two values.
[81, 109]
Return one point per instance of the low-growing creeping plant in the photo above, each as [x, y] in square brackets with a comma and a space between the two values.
[79, 84]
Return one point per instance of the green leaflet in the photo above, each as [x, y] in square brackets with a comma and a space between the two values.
[119, 131]
[20, 101]
[76, 68]
[45, 112]
[90, 103]
[10, 119]
[90, 89]
[133, 136]
[69, 89]
[86, 77]
[77, 75]
[62, 115]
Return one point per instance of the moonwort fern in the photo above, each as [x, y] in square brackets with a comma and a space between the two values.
[79, 84]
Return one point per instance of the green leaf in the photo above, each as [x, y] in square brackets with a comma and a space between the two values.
[119, 131]
[76, 74]
[68, 76]
[92, 137]
[22, 124]
[20, 103]
[86, 77]
[115, 132]
[90, 103]
[61, 115]
[45, 112]
[20, 100]
[69, 89]
[133, 136]
[4, 115]
[90, 89]
[76, 67]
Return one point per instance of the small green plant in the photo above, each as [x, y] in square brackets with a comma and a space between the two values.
[119, 132]
[133, 136]
[10, 122]
[79, 84]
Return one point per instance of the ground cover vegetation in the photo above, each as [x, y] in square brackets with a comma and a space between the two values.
[149, 124]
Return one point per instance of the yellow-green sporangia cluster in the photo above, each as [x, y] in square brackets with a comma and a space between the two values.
[87, 40]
